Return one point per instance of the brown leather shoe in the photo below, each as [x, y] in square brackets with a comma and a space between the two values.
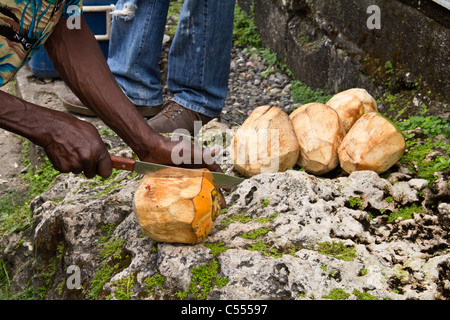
[73, 104]
[175, 116]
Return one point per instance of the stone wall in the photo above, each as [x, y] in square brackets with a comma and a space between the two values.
[327, 43]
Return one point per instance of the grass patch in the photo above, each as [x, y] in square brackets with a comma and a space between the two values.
[204, 279]
[301, 93]
[337, 250]
[245, 33]
[405, 213]
[256, 233]
[216, 248]
[414, 159]
[337, 294]
[154, 282]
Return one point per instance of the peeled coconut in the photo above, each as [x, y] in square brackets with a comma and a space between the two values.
[299, 109]
[351, 105]
[319, 132]
[174, 205]
[373, 143]
[265, 142]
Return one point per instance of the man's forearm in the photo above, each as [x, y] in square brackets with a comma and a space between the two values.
[24, 118]
[80, 61]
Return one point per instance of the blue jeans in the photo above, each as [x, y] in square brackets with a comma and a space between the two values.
[199, 57]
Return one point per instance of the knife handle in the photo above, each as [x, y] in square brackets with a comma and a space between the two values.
[122, 163]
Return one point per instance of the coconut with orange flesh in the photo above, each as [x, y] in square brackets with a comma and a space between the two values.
[177, 206]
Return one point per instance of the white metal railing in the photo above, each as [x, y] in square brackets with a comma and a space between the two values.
[107, 9]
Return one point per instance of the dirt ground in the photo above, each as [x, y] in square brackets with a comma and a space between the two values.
[10, 153]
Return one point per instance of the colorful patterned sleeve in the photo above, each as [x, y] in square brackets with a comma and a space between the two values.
[72, 8]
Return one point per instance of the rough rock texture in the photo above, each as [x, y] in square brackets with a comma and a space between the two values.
[333, 39]
[275, 238]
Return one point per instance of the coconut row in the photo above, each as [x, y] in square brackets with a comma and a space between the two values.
[172, 206]
[346, 131]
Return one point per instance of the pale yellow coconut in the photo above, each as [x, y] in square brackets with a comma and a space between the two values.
[265, 142]
[351, 105]
[177, 206]
[373, 143]
[319, 132]
[299, 109]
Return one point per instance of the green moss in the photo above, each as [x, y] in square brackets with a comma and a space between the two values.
[101, 278]
[245, 33]
[124, 286]
[300, 92]
[154, 282]
[414, 159]
[363, 295]
[113, 248]
[256, 233]
[258, 246]
[204, 279]
[337, 250]
[15, 213]
[263, 220]
[272, 252]
[40, 180]
[112, 253]
[5, 283]
[355, 202]
[337, 294]
[237, 218]
[216, 248]
[265, 203]
[405, 213]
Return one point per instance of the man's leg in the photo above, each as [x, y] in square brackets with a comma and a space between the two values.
[135, 49]
[199, 65]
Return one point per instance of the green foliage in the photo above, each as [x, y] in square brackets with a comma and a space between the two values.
[363, 295]
[174, 12]
[256, 233]
[337, 250]
[101, 277]
[216, 248]
[41, 179]
[113, 248]
[245, 33]
[112, 255]
[432, 125]
[355, 202]
[204, 278]
[124, 285]
[263, 220]
[300, 92]
[154, 282]
[414, 159]
[242, 218]
[405, 213]
[5, 283]
[337, 294]
[15, 213]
